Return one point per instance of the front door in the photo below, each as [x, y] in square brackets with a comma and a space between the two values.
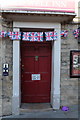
[35, 72]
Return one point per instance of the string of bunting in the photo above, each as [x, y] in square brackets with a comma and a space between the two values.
[76, 33]
[64, 33]
[32, 36]
[38, 36]
[29, 36]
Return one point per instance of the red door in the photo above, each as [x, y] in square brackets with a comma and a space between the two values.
[35, 72]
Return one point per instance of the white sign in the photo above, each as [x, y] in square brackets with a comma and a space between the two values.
[35, 76]
[55, 5]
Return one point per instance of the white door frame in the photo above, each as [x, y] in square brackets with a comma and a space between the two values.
[56, 53]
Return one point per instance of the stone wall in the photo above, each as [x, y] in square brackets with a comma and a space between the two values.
[6, 81]
[0, 69]
[69, 86]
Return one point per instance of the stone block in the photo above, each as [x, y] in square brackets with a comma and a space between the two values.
[6, 107]
[0, 107]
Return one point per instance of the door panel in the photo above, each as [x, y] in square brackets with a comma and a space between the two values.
[35, 59]
[43, 64]
[29, 64]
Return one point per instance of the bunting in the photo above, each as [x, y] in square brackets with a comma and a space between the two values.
[3, 34]
[64, 33]
[29, 36]
[76, 33]
[35, 36]
[49, 36]
[55, 35]
[14, 35]
[32, 36]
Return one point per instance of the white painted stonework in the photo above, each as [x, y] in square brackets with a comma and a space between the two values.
[56, 50]
[55, 85]
[16, 76]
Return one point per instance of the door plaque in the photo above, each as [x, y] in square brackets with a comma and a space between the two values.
[35, 76]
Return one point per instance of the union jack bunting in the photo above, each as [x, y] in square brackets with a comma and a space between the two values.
[55, 35]
[32, 36]
[25, 36]
[76, 33]
[51, 36]
[29, 36]
[14, 35]
[9, 34]
[64, 33]
[3, 34]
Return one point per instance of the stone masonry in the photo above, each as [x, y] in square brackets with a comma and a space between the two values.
[69, 86]
[0, 70]
[5, 81]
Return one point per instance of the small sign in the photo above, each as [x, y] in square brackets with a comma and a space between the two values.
[5, 69]
[35, 76]
[75, 63]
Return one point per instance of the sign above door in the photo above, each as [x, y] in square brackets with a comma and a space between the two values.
[42, 5]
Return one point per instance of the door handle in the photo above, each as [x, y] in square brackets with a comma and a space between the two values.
[36, 58]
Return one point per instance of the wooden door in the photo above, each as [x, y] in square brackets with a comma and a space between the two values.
[35, 72]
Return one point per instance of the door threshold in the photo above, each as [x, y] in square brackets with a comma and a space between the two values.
[35, 107]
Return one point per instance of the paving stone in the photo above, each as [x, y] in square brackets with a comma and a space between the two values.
[49, 114]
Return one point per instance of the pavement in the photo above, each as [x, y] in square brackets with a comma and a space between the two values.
[48, 112]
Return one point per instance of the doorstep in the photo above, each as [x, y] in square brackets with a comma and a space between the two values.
[35, 107]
